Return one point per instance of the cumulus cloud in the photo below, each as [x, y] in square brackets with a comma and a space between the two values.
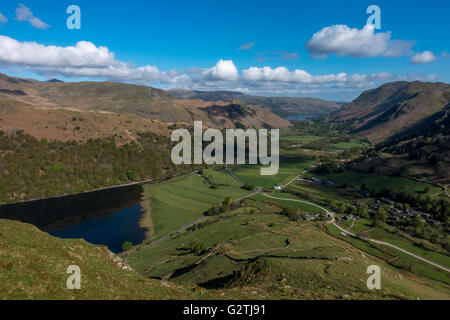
[3, 19]
[83, 54]
[24, 14]
[224, 70]
[82, 60]
[247, 46]
[282, 74]
[344, 41]
[423, 57]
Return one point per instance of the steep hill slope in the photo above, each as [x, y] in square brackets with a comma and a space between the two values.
[33, 265]
[282, 106]
[395, 109]
[145, 102]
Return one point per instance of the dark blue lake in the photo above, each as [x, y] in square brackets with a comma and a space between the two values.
[106, 217]
[112, 230]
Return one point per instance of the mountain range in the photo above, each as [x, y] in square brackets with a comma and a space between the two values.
[82, 110]
[409, 121]
[282, 106]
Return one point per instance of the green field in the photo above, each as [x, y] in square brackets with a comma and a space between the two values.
[322, 192]
[252, 175]
[350, 144]
[364, 227]
[178, 201]
[410, 246]
[291, 165]
[299, 139]
[288, 204]
[220, 176]
[376, 181]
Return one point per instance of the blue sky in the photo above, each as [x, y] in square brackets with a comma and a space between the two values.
[195, 44]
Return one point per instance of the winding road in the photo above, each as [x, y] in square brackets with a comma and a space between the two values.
[333, 221]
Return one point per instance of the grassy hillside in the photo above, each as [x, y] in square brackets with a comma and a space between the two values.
[33, 266]
[268, 256]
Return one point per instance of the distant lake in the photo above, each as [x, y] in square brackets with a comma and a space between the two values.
[112, 230]
[301, 117]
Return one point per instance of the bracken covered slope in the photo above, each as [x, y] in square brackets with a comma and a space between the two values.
[142, 101]
[395, 108]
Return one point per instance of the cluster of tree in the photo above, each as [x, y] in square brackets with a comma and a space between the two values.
[209, 179]
[227, 205]
[320, 144]
[248, 186]
[434, 149]
[328, 167]
[196, 247]
[35, 169]
[127, 245]
[293, 214]
[351, 153]
[436, 234]
[321, 128]
[359, 210]
[438, 208]
[380, 217]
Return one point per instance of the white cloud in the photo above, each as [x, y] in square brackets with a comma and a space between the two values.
[3, 19]
[247, 46]
[224, 70]
[83, 54]
[282, 74]
[23, 13]
[423, 57]
[82, 60]
[344, 41]
[86, 60]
